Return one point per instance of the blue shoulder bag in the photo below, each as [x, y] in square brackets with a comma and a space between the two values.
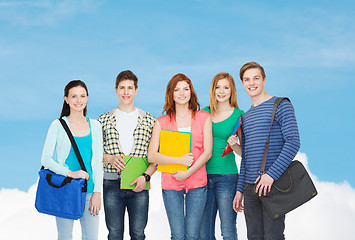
[59, 195]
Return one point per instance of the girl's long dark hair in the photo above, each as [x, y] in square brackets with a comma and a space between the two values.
[70, 85]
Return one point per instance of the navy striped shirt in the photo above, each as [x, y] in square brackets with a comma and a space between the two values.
[284, 141]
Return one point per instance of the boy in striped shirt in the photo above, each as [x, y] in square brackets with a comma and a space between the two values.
[284, 145]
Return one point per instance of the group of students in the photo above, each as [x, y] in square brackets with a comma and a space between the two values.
[211, 183]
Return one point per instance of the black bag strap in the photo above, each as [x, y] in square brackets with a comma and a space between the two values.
[263, 162]
[73, 143]
[65, 181]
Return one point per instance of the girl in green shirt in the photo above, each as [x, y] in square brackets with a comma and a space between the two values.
[222, 173]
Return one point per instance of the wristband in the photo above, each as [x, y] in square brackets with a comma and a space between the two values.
[146, 176]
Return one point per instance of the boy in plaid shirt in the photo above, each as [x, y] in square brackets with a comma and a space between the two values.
[126, 131]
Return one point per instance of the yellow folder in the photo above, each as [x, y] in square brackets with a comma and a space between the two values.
[174, 144]
[134, 168]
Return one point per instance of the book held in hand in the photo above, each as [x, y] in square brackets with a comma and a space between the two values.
[174, 144]
[134, 168]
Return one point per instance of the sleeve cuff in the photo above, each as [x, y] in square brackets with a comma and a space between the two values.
[240, 188]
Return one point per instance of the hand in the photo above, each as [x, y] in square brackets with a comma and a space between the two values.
[117, 162]
[187, 159]
[141, 183]
[264, 185]
[78, 174]
[232, 140]
[95, 203]
[237, 202]
[180, 175]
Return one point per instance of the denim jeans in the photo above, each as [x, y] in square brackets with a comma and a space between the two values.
[221, 190]
[116, 201]
[184, 211]
[260, 226]
[89, 224]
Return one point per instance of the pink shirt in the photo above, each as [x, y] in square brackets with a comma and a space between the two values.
[199, 178]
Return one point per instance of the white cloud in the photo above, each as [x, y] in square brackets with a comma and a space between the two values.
[330, 215]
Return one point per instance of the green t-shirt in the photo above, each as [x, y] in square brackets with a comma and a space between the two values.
[221, 132]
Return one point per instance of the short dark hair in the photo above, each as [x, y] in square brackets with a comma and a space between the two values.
[251, 65]
[126, 75]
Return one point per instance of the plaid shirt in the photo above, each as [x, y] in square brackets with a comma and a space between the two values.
[141, 134]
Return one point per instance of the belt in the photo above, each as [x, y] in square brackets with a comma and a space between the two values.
[112, 175]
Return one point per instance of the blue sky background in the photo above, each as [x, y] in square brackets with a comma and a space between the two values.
[306, 47]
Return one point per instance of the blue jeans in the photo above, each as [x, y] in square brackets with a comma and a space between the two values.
[184, 211]
[89, 224]
[221, 189]
[260, 226]
[116, 201]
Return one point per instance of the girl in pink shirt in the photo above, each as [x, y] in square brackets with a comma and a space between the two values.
[184, 190]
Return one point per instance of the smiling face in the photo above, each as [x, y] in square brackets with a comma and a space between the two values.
[77, 99]
[253, 82]
[126, 91]
[223, 91]
[182, 93]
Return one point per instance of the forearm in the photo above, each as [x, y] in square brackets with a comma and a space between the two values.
[237, 149]
[151, 169]
[107, 158]
[284, 159]
[200, 162]
[97, 163]
[241, 179]
[235, 144]
[97, 176]
[242, 171]
[289, 129]
[161, 159]
[207, 146]
[50, 164]
[153, 151]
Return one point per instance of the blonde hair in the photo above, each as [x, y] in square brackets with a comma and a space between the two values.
[233, 97]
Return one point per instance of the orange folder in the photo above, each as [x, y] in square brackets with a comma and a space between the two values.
[174, 144]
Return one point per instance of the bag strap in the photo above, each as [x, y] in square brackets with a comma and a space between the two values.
[263, 162]
[73, 143]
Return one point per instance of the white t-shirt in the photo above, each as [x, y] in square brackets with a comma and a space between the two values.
[125, 124]
[186, 129]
